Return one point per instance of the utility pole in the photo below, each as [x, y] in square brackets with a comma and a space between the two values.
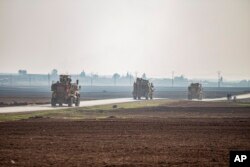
[219, 79]
[91, 79]
[218, 73]
[172, 79]
[48, 79]
[11, 80]
[130, 79]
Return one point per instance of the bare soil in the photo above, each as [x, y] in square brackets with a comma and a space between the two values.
[176, 136]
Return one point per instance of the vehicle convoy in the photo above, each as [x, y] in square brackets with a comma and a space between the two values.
[143, 88]
[195, 91]
[65, 92]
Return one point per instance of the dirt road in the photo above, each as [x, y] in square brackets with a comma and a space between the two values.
[91, 103]
[242, 96]
[48, 106]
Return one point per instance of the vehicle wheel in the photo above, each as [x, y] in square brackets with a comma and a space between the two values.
[70, 102]
[200, 97]
[53, 102]
[77, 103]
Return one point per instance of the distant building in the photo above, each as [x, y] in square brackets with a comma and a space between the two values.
[83, 74]
[22, 72]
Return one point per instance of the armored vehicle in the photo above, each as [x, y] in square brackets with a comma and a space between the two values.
[195, 91]
[229, 96]
[143, 88]
[65, 92]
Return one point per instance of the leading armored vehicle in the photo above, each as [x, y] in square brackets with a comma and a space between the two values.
[143, 88]
[195, 91]
[65, 92]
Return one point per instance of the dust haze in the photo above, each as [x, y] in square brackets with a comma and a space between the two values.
[195, 38]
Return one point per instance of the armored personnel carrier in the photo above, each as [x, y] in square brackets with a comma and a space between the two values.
[65, 92]
[142, 88]
[195, 91]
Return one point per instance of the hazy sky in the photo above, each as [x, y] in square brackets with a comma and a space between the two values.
[192, 37]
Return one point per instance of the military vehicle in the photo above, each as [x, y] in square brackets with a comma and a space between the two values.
[229, 97]
[65, 92]
[143, 88]
[195, 91]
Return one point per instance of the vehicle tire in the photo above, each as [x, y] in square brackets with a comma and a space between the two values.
[53, 102]
[200, 97]
[77, 103]
[70, 102]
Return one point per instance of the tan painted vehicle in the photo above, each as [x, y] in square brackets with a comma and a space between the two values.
[65, 92]
[195, 91]
[143, 88]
